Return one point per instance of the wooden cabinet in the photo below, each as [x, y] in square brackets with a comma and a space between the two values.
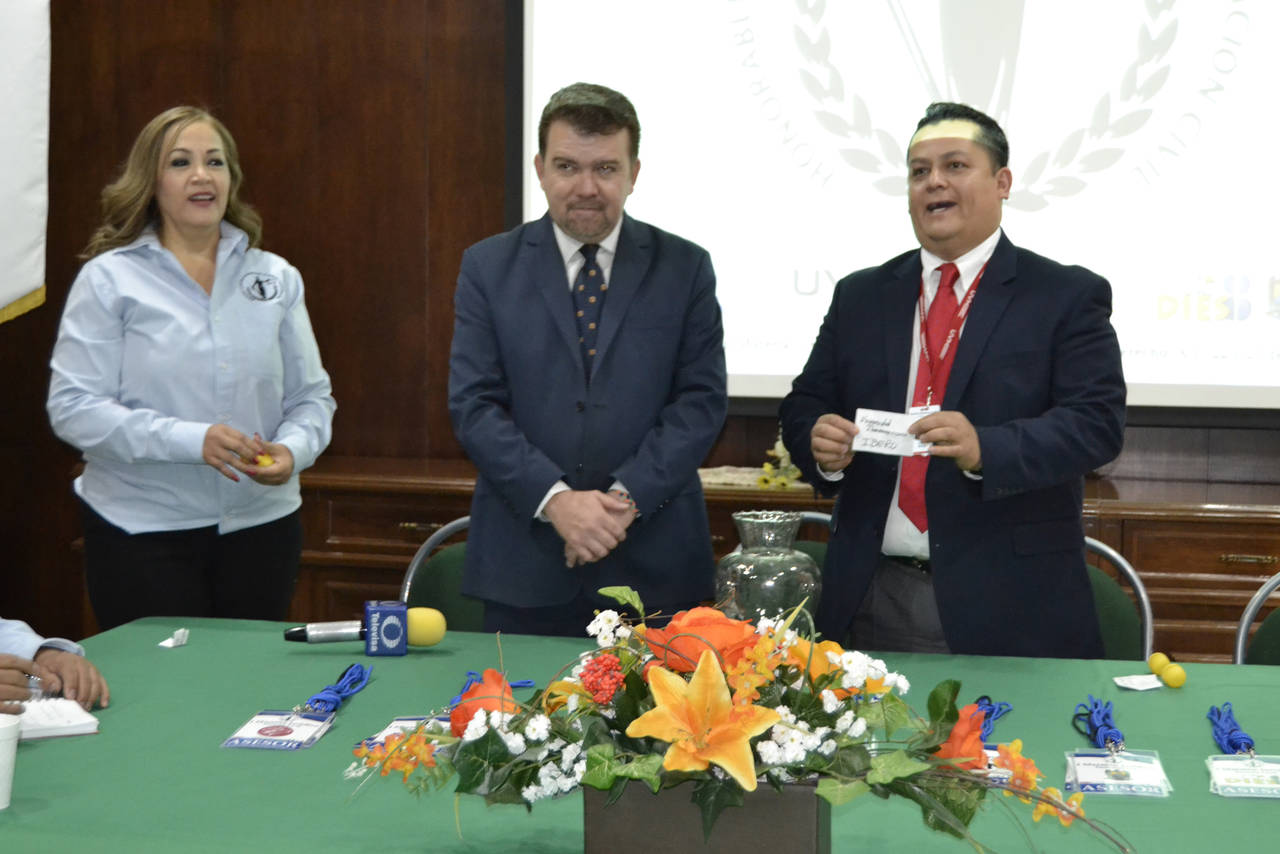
[363, 519]
[1201, 549]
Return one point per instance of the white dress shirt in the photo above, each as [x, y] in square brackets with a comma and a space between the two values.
[17, 638]
[146, 362]
[574, 261]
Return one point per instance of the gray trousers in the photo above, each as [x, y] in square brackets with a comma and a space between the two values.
[899, 612]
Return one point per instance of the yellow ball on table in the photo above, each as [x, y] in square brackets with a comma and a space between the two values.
[1158, 662]
[1173, 675]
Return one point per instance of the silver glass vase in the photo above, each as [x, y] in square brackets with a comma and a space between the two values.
[767, 575]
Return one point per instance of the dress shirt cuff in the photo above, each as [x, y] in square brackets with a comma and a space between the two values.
[972, 475]
[61, 644]
[829, 475]
[186, 441]
[556, 488]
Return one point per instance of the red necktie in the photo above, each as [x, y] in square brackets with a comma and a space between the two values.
[941, 312]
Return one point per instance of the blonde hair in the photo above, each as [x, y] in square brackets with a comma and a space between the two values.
[129, 202]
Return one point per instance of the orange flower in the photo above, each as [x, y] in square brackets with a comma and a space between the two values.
[1025, 775]
[965, 741]
[679, 645]
[492, 693]
[1067, 810]
[702, 724]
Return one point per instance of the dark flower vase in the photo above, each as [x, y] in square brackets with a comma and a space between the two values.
[794, 820]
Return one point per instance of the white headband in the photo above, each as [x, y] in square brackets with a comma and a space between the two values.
[947, 129]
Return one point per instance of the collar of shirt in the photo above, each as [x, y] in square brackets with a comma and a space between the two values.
[573, 259]
[969, 264]
[230, 239]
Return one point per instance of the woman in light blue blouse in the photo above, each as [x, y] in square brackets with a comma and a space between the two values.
[187, 373]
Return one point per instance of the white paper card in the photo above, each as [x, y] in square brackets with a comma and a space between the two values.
[280, 730]
[881, 432]
[1244, 776]
[1129, 772]
[1140, 682]
[55, 716]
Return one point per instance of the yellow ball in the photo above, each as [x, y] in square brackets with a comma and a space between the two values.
[1158, 662]
[1173, 675]
[426, 627]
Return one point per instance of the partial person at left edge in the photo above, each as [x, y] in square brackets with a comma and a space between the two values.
[55, 665]
[187, 373]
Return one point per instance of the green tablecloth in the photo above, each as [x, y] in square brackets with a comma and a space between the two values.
[156, 779]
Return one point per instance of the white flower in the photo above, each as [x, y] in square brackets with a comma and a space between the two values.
[788, 716]
[476, 727]
[569, 756]
[538, 728]
[514, 741]
[605, 623]
[830, 702]
[531, 793]
[579, 768]
[858, 728]
[845, 721]
[898, 682]
[828, 747]
[770, 753]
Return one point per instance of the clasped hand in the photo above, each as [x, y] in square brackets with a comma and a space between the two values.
[591, 523]
[232, 453]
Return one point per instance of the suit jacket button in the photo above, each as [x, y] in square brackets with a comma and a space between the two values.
[578, 468]
[581, 406]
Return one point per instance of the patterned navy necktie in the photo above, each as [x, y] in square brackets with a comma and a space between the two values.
[589, 289]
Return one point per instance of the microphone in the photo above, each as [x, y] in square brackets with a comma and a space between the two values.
[388, 628]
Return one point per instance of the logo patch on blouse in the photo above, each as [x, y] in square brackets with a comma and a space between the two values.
[261, 287]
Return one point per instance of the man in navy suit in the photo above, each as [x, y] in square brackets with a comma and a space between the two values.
[586, 383]
[978, 547]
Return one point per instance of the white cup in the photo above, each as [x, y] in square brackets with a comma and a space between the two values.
[9, 729]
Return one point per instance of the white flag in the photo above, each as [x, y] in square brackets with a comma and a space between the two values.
[24, 153]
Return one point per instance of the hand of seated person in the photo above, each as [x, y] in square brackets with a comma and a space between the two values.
[14, 673]
[75, 676]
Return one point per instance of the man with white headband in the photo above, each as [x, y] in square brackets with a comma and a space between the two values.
[1012, 364]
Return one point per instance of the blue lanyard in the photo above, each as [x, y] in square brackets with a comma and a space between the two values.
[992, 712]
[329, 698]
[474, 678]
[1093, 720]
[1227, 733]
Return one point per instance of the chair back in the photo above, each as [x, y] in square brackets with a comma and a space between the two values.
[1265, 647]
[816, 549]
[434, 579]
[1127, 632]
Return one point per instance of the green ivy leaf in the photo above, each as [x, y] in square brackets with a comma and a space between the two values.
[896, 714]
[836, 793]
[624, 596]
[712, 795]
[942, 702]
[887, 767]
[646, 769]
[602, 768]
[475, 760]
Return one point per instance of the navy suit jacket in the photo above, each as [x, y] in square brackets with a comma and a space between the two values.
[1038, 373]
[527, 417]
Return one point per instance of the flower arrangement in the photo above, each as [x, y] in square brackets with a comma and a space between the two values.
[780, 474]
[723, 706]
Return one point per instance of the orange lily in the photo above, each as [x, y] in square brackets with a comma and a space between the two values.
[1025, 775]
[1054, 803]
[701, 723]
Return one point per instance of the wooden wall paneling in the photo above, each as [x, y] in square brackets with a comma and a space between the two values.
[465, 123]
[327, 101]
